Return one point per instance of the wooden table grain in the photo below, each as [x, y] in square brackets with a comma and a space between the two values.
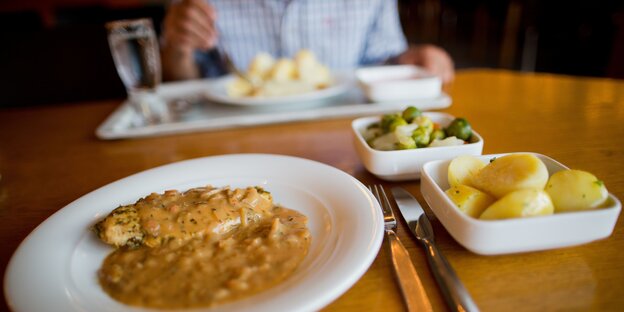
[49, 156]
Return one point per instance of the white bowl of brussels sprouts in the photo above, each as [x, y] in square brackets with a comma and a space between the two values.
[536, 205]
[394, 147]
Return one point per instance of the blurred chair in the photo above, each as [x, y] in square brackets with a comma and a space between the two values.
[580, 37]
[616, 63]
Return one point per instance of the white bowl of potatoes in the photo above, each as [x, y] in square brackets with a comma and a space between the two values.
[517, 202]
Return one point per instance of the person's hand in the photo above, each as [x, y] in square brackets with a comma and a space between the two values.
[432, 58]
[190, 25]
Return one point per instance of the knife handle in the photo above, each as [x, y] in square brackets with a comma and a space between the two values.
[453, 290]
[413, 291]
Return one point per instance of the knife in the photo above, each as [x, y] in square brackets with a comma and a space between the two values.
[455, 294]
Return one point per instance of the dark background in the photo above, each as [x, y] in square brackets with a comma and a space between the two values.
[55, 51]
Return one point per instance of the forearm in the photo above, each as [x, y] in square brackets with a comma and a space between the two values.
[178, 64]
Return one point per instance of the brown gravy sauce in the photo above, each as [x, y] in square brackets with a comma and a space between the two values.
[218, 266]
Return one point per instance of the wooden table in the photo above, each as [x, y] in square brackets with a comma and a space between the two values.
[49, 156]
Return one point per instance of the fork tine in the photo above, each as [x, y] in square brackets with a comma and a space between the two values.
[375, 192]
[386, 202]
[373, 189]
[380, 194]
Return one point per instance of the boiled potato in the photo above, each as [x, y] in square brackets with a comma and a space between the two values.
[239, 87]
[319, 76]
[572, 190]
[469, 200]
[463, 168]
[306, 63]
[310, 70]
[283, 70]
[511, 173]
[261, 66]
[520, 204]
[271, 77]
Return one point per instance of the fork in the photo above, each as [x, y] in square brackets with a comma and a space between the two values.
[411, 287]
[232, 67]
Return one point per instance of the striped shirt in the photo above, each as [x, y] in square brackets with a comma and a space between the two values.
[343, 34]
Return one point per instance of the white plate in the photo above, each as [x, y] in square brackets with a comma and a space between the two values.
[54, 269]
[217, 92]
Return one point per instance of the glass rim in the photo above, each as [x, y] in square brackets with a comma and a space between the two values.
[128, 22]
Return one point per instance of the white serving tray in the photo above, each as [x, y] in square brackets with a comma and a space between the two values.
[205, 115]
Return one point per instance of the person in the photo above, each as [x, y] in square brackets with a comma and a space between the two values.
[342, 34]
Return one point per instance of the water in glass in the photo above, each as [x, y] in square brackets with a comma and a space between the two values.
[134, 48]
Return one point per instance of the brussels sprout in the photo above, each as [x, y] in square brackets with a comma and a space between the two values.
[397, 123]
[410, 113]
[387, 120]
[459, 128]
[421, 137]
[403, 135]
[424, 122]
[437, 134]
[405, 142]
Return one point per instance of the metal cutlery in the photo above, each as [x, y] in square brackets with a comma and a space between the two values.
[453, 291]
[232, 67]
[411, 287]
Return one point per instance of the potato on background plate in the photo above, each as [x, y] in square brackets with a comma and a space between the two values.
[285, 76]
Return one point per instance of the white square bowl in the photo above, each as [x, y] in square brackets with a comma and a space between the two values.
[398, 82]
[492, 237]
[406, 164]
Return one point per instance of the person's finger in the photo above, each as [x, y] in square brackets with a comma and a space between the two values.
[192, 20]
[447, 68]
[182, 41]
[199, 38]
[206, 9]
[433, 59]
[449, 75]
[200, 12]
[437, 61]
[175, 34]
[185, 20]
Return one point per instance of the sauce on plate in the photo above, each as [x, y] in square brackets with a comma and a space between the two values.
[252, 250]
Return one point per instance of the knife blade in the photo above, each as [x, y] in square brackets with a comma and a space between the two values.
[455, 294]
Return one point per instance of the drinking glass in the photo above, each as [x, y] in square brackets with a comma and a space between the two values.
[134, 48]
